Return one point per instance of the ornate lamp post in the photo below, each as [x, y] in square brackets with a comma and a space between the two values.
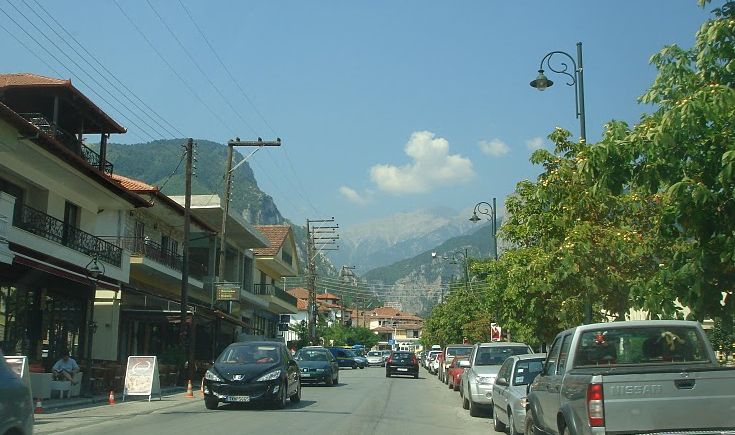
[94, 269]
[490, 211]
[576, 80]
[464, 259]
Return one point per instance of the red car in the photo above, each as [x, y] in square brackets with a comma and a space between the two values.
[454, 372]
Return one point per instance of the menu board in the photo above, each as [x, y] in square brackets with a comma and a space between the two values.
[141, 377]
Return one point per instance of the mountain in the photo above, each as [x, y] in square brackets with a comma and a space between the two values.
[160, 163]
[385, 241]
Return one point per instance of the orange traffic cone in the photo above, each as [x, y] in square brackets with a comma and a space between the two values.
[111, 399]
[39, 406]
[202, 388]
[189, 391]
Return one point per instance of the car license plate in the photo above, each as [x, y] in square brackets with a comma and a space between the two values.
[402, 370]
[305, 375]
[238, 398]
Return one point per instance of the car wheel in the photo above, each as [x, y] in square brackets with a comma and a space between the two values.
[296, 398]
[498, 426]
[511, 424]
[329, 381]
[336, 381]
[475, 410]
[465, 402]
[450, 385]
[210, 403]
[456, 387]
[282, 396]
[354, 366]
[387, 375]
[416, 376]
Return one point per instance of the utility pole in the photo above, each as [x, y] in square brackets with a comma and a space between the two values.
[326, 236]
[185, 334]
[259, 143]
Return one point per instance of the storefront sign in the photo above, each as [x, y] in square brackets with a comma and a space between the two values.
[141, 377]
[228, 292]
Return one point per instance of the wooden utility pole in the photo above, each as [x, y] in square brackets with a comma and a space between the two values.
[259, 143]
[314, 235]
[185, 334]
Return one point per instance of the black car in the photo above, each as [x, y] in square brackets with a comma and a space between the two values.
[402, 363]
[318, 365]
[259, 371]
[345, 357]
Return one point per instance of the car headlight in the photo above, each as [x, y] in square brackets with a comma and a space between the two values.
[486, 379]
[269, 377]
[524, 402]
[210, 376]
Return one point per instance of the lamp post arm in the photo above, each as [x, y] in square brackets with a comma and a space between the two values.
[576, 80]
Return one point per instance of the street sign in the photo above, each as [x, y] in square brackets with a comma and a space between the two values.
[391, 342]
[228, 292]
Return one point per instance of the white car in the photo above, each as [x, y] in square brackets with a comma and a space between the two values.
[375, 358]
[434, 364]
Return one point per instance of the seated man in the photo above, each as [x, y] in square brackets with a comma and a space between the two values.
[65, 368]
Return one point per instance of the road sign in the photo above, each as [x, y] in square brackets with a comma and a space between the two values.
[228, 292]
[391, 342]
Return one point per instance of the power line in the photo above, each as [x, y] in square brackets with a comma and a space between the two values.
[127, 92]
[173, 70]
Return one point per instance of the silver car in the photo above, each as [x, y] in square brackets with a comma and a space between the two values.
[375, 358]
[477, 381]
[16, 405]
[509, 391]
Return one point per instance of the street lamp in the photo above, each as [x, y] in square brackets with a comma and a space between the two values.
[465, 259]
[94, 269]
[576, 80]
[490, 211]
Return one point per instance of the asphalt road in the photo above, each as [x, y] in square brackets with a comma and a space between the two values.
[365, 402]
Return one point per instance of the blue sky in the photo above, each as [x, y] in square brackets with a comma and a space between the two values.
[382, 106]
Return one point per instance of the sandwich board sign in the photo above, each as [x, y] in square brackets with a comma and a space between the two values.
[141, 377]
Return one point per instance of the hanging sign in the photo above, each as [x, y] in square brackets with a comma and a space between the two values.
[228, 292]
[141, 377]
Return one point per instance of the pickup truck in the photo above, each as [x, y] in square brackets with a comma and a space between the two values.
[656, 376]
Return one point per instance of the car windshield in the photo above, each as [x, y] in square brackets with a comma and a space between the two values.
[496, 355]
[249, 354]
[375, 353]
[312, 355]
[641, 345]
[526, 371]
[456, 351]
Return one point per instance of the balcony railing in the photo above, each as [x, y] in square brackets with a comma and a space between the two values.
[154, 251]
[50, 228]
[272, 290]
[69, 140]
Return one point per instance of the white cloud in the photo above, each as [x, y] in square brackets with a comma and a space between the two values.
[535, 143]
[495, 147]
[352, 195]
[432, 166]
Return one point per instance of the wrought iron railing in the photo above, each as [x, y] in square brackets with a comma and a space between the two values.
[272, 290]
[69, 140]
[149, 249]
[39, 223]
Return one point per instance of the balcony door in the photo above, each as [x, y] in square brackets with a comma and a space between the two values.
[71, 222]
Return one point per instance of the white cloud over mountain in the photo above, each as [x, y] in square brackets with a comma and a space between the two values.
[494, 147]
[352, 196]
[431, 166]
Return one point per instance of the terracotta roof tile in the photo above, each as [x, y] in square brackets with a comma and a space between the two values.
[298, 292]
[276, 235]
[302, 304]
[27, 79]
[323, 296]
[134, 185]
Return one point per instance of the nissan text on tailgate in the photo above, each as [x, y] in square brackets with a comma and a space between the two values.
[656, 376]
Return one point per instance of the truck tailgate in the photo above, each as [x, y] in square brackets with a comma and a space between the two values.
[669, 401]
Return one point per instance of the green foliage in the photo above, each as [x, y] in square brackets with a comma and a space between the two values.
[339, 335]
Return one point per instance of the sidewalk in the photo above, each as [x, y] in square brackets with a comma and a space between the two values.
[56, 405]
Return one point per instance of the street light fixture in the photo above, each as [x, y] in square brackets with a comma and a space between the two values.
[486, 209]
[94, 269]
[576, 79]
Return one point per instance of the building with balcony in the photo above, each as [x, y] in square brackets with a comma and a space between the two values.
[61, 215]
[272, 264]
[400, 329]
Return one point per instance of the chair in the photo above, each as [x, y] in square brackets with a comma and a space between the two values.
[72, 390]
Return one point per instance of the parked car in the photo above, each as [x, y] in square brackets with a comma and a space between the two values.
[16, 404]
[477, 381]
[317, 365]
[430, 356]
[345, 357]
[455, 370]
[450, 352]
[402, 363]
[510, 389]
[375, 358]
[434, 364]
[260, 371]
[653, 376]
[362, 361]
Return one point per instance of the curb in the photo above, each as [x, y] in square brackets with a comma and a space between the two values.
[88, 402]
